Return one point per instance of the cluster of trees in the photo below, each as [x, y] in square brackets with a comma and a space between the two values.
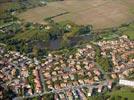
[7, 94]
[25, 42]
[50, 18]
[85, 29]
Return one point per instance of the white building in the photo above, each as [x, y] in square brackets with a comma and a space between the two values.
[126, 82]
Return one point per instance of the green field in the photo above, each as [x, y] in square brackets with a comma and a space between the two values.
[129, 31]
[123, 93]
[32, 34]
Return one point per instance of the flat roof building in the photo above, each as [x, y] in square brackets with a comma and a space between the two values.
[126, 82]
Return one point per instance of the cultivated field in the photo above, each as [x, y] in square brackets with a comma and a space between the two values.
[99, 13]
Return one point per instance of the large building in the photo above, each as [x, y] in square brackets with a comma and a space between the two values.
[127, 83]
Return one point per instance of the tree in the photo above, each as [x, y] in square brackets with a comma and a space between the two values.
[85, 29]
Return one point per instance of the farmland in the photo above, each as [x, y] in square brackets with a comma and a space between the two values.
[99, 13]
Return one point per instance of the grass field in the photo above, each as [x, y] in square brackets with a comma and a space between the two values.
[129, 31]
[99, 13]
[124, 92]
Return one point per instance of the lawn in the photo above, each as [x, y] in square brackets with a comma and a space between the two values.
[124, 92]
[31, 35]
[128, 30]
[110, 36]
[130, 34]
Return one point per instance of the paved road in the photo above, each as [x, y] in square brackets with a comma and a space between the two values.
[71, 72]
[64, 89]
[42, 80]
[72, 87]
